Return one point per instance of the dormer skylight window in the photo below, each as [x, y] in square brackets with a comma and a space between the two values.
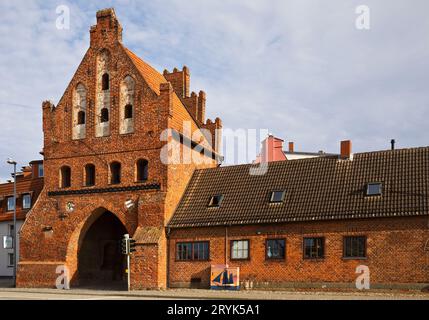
[215, 201]
[374, 189]
[277, 196]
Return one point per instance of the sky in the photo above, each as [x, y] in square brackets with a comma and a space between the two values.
[297, 68]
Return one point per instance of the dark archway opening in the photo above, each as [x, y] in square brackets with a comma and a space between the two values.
[100, 261]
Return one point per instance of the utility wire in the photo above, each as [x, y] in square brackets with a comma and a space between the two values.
[16, 105]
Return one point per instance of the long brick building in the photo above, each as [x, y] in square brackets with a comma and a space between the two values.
[303, 221]
[309, 222]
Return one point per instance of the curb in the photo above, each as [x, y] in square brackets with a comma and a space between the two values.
[183, 296]
[130, 295]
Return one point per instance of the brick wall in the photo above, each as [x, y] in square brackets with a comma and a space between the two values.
[395, 253]
[52, 236]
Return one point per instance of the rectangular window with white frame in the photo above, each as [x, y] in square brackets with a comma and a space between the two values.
[10, 204]
[26, 201]
[240, 249]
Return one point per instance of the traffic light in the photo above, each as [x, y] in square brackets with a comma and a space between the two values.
[125, 246]
[132, 247]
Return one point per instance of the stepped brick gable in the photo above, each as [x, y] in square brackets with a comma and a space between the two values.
[102, 147]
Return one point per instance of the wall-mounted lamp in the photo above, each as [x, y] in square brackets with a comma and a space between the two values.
[129, 204]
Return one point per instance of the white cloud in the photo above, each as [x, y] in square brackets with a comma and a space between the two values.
[298, 68]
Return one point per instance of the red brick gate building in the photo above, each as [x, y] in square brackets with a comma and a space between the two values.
[304, 222]
[104, 174]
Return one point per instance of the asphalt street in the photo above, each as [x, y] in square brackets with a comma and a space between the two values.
[195, 294]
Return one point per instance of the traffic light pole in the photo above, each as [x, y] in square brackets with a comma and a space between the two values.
[127, 252]
[128, 272]
[128, 247]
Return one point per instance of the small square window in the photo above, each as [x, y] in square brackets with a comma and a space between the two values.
[373, 189]
[240, 249]
[314, 248]
[26, 201]
[277, 196]
[276, 248]
[354, 247]
[216, 200]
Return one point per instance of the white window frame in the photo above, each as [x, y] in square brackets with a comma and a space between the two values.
[240, 249]
[26, 195]
[7, 204]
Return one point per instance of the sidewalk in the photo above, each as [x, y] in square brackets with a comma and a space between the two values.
[240, 295]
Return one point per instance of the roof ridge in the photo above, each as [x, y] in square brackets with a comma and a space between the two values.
[393, 151]
[269, 163]
[324, 157]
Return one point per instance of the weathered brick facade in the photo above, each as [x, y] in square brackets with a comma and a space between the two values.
[397, 254]
[115, 112]
[77, 133]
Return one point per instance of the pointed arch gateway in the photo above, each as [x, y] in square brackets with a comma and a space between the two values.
[95, 253]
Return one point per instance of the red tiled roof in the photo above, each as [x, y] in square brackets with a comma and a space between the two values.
[152, 77]
[317, 189]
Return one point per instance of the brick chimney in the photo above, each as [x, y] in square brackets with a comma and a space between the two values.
[291, 146]
[346, 149]
[272, 150]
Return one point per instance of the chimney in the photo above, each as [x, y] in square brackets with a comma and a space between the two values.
[346, 149]
[272, 150]
[392, 143]
[291, 147]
